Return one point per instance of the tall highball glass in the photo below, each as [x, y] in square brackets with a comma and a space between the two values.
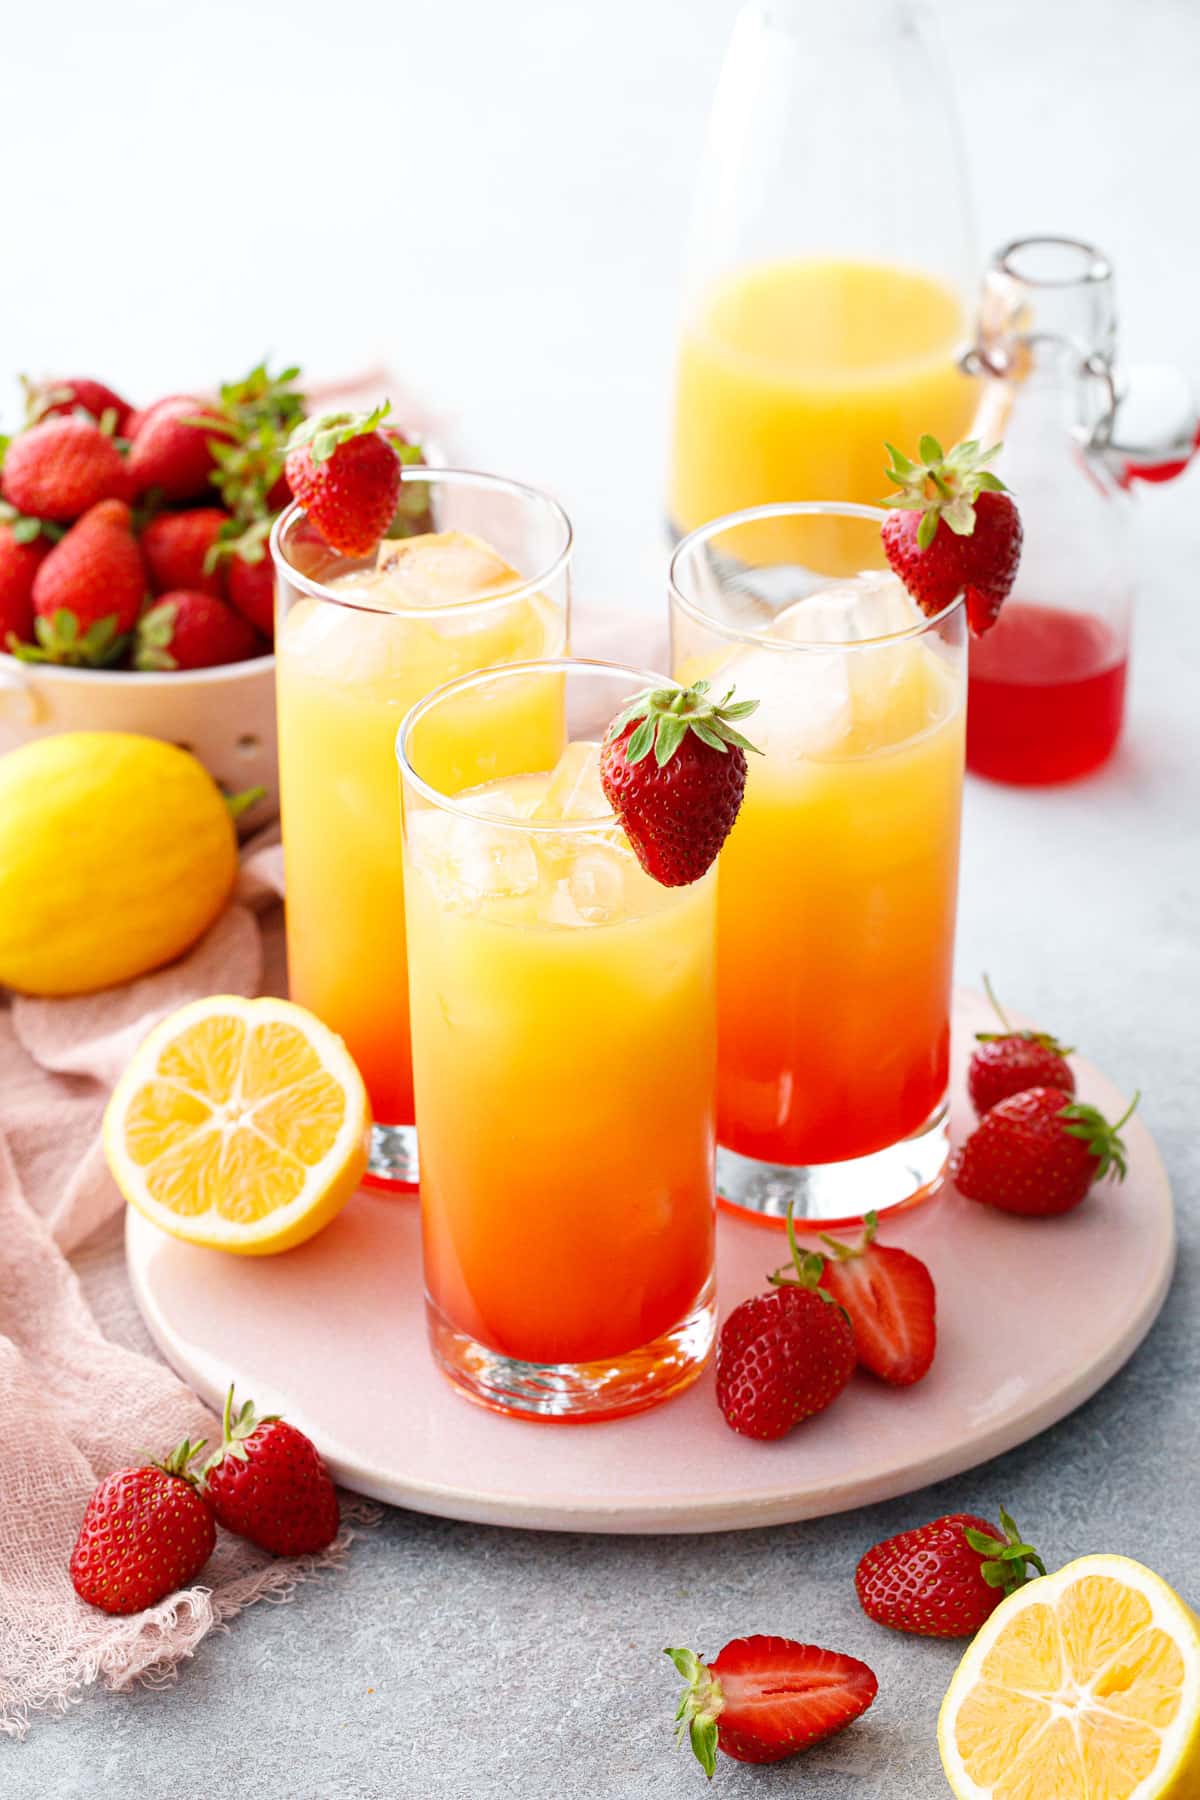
[837, 887]
[564, 1049]
[486, 580]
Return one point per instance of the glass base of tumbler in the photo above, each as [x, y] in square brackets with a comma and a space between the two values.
[393, 1159]
[577, 1392]
[840, 1192]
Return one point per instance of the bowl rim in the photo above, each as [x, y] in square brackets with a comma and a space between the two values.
[235, 671]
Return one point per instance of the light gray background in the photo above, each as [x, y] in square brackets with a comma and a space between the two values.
[492, 197]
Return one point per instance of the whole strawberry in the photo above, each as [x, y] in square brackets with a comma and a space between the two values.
[1007, 1062]
[783, 1356]
[764, 1698]
[89, 590]
[1038, 1153]
[346, 476]
[954, 528]
[22, 553]
[137, 416]
[244, 563]
[280, 494]
[890, 1297]
[414, 515]
[61, 468]
[268, 1483]
[251, 588]
[69, 393]
[189, 630]
[945, 1578]
[175, 548]
[171, 454]
[678, 805]
[145, 1533]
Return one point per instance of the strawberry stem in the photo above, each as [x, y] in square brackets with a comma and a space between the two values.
[1046, 1039]
[808, 1265]
[990, 991]
[237, 1424]
[1129, 1110]
[846, 1252]
[177, 1462]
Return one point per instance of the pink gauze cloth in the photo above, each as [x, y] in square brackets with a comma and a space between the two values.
[82, 1391]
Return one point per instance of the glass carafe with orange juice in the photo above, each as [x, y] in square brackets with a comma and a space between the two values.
[825, 305]
[357, 643]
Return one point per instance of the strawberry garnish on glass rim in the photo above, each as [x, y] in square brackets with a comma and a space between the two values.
[954, 528]
[346, 475]
[678, 805]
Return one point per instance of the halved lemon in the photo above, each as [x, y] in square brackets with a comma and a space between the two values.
[1084, 1685]
[239, 1124]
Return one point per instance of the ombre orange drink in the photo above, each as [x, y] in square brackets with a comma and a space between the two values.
[838, 884]
[356, 646]
[564, 1048]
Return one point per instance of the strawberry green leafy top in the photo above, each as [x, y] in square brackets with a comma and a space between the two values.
[956, 479]
[325, 431]
[668, 714]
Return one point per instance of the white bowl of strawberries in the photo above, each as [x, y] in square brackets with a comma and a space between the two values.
[136, 585]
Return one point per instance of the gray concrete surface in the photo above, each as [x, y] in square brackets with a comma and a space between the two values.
[455, 1662]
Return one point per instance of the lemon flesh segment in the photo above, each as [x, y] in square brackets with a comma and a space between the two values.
[239, 1124]
[1084, 1685]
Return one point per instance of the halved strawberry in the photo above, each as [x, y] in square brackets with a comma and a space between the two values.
[890, 1297]
[764, 1698]
[979, 550]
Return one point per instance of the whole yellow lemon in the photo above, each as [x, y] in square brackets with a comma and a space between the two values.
[116, 853]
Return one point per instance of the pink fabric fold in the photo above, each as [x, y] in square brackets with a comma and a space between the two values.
[82, 1391]
[77, 1400]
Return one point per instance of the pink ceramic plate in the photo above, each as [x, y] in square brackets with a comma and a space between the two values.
[1031, 1322]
